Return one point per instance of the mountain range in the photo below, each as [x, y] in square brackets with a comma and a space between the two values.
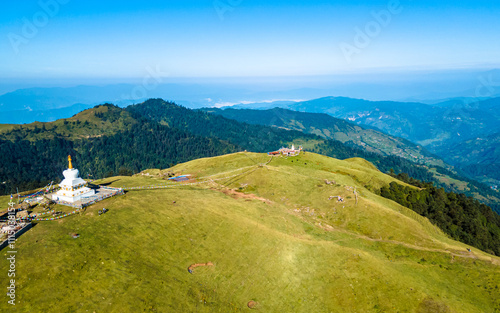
[460, 131]
[109, 140]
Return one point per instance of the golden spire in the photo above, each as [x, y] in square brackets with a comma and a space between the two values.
[69, 160]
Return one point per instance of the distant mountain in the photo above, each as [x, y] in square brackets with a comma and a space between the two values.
[29, 116]
[262, 105]
[406, 120]
[216, 92]
[188, 94]
[437, 128]
[417, 122]
[455, 101]
[40, 99]
[329, 127]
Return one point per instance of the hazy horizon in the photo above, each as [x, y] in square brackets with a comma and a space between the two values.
[241, 51]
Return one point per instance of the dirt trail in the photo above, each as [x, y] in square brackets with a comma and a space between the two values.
[193, 266]
[240, 195]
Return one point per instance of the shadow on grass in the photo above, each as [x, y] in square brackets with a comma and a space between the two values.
[93, 186]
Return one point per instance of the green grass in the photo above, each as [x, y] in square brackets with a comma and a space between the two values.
[445, 179]
[6, 127]
[375, 256]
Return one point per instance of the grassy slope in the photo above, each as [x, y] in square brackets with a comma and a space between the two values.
[372, 257]
[6, 127]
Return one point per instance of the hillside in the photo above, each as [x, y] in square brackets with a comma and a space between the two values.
[329, 127]
[249, 137]
[479, 157]
[261, 138]
[271, 237]
[405, 120]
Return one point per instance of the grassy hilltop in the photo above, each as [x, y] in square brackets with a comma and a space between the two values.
[273, 236]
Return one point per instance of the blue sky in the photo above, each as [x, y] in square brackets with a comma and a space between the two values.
[225, 38]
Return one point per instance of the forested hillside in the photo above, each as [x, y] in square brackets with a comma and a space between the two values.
[479, 157]
[462, 218]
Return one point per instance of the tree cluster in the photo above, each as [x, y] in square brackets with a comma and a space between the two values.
[461, 217]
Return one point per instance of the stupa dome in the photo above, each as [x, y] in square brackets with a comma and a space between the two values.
[71, 174]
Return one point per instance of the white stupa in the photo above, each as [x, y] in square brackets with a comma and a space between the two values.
[73, 188]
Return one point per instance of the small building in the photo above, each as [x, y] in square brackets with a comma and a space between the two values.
[73, 188]
[286, 151]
